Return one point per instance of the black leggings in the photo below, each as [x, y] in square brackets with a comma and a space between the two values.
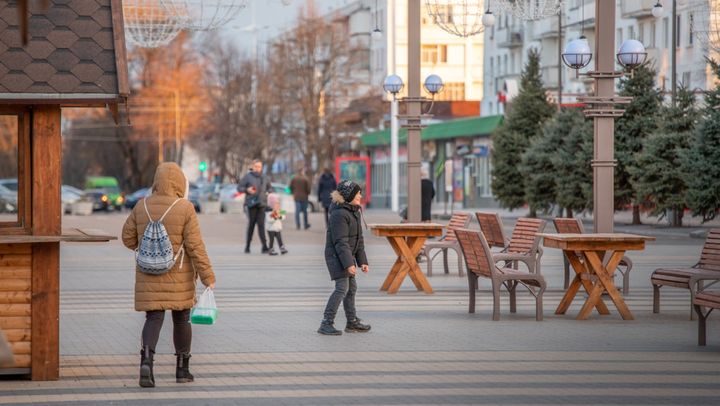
[182, 329]
[273, 236]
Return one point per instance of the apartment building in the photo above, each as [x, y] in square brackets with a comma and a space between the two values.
[507, 43]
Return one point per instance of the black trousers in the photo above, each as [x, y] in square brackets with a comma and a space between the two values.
[275, 235]
[327, 210]
[182, 329]
[256, 215]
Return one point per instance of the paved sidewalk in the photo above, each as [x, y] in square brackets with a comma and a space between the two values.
[423, 349]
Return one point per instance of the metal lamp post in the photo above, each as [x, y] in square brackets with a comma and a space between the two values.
[602, 106]
[393, 84]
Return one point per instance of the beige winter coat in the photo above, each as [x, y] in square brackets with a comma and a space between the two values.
[174, 290]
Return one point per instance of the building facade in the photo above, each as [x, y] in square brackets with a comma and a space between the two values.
[507, 44]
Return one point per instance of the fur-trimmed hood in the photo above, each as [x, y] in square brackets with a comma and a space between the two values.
[337, 197]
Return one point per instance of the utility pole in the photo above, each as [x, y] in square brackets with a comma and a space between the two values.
[673, 54]
[560, 51]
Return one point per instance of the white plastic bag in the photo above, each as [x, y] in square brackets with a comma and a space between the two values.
[205, 311]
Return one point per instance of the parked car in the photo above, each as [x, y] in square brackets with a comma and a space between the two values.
[228, 193]
[132, 199]
[101, 200]
[70, 195]
[110, 188]
[8, 198]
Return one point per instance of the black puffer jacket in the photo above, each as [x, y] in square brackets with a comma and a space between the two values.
[344, 245]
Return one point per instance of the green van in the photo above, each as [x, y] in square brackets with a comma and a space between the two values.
[110, 188]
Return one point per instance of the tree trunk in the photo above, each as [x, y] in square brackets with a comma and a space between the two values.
[636, 215]
[569, 213]
[676, 218]
[533, 212]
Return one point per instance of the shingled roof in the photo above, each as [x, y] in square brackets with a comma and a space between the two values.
[75, 53]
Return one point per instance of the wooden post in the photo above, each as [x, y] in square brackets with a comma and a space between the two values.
[46, 220]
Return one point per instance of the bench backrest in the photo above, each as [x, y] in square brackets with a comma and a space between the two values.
[565, 225]
[491, 227]
[524, 238]
[476, 251]
[457, 220]
[710, 256]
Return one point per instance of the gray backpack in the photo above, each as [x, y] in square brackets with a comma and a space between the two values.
[154, 255]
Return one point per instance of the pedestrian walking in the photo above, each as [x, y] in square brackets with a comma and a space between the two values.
[344, 254]
[275, 217]
[175, 289]
[300, 188]
[326, 186]
[256, 187]
[427, 194]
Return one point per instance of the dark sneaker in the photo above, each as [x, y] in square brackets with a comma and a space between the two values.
[307, 226]
[329, 330]
[283, 250]
[247, 250]
[356, 326]
[265, 250]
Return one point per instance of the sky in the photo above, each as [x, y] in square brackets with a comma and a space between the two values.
[272, 17]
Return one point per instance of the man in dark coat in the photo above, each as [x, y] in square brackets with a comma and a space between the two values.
[344, 252]
[256, 188]
[427, 193]
[326, 186]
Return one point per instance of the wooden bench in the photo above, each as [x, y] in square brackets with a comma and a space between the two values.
[709, 300]
[574, 226]
[524, 245]
[492, 228]
[480, 263]
[693, 278]
[447, 242]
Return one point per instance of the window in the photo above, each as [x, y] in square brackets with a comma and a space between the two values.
[505, 64]
[641, 33]
[666, 33]
[452, 91]
[14, 167]
[679, 32]
[631, 32]
[434, 54]
[619, 38]
[691, 27]
[653, 36]
[686, 79]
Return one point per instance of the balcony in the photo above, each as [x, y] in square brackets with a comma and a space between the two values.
[637, 8]
[510, 38]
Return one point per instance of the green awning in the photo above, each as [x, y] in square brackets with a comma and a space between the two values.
[465, 127]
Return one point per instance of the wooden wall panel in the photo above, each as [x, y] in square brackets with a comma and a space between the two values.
[15, 295]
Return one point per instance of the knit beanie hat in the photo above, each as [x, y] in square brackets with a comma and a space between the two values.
[348, 190]
[273, 199]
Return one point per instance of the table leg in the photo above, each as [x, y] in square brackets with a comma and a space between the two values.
[580, 270]
[396, 268]
[412, 266]
[604, 274]
[392, 274]
[411, 242]
[592, 300]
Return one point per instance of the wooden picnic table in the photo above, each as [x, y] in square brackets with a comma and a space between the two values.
[586, 253]
[407, 241]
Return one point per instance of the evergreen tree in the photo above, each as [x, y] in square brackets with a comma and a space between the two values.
[638, 122]
[701, 163]
[530, 109]
[573, 173]
[537, 169]
[656, 175]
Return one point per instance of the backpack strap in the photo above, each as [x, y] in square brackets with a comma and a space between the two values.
[168, 210]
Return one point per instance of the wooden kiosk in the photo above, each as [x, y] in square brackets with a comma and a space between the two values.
[74, 57]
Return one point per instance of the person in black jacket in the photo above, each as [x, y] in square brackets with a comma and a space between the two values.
[427, 193]
[256, 187]
[326, 186]
[344, 253]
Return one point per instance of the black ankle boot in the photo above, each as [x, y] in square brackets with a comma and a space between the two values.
[182, 371]
[147, 380]
[327, 328]
[356, 326]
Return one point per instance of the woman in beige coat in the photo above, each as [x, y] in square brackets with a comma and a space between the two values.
[174, 290]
